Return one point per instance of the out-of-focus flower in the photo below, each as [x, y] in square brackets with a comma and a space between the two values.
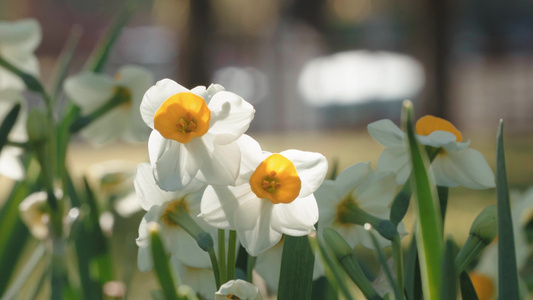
[238, 289]
[115, 181]
[159, 205]
[485, 275]
[194, 133]
[277, 198]
[454, 165]
[372, 194]
[10, 163]
[268, 266]
[92, 91]
[18, 41]
[34, 212]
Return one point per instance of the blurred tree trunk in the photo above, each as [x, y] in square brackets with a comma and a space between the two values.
[193, 57]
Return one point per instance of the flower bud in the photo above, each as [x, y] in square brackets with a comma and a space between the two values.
[38, 126]
[485, 226]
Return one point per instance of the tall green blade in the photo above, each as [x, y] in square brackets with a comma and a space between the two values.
[297, 263]
[467, 288]
[507, 272]
[429, 224]
[8, 124]
[449, 281]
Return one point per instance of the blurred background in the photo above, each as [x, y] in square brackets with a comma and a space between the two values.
[318, 71]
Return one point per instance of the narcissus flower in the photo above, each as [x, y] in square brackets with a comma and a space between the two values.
[10, 162]
[160, 205]
[238, 289]
[18, 41]
[454, 165]
[195, 133]
[92, 91]
[277, 198]
[356, 188]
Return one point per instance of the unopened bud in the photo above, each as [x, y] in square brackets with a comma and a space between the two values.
[485, 226]
[38, 126]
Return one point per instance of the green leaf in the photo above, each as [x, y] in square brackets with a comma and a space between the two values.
[13, 233]
[449, 281]
[442, 192]
[297, 263]
[467, 288]
[429, 224]
[8, 124]
[507, 271]
[400, 204]
[27, 270]
[348, 261]
[63, 61]
[334, 273]
[161, 267]
[100, 55]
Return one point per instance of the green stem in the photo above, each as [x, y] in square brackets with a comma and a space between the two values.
[386, 267]
[232, 247]
[351, 213]
[222, 254]
[121, 96]
[214, 264]
[398, 261]
[250, 268]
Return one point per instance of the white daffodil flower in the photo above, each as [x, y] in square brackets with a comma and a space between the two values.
[91, 91]
[18, 41]
[276, 198]
[10, 162]
[159, 204]
[455, 164]
[33, 212]
[238, 289]
[194, 133]
[268, 266]
[371, 192]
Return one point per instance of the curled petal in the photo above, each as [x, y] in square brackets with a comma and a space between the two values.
[386, 132]
[311, 167]
[230, 117]
[467, 168]
[173, 166]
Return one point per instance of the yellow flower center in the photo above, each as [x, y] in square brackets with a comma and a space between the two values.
[483, 285]
[182, 117]
[172, 208]
[428, 124]
[276, 179]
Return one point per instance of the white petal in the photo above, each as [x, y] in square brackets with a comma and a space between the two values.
[327, 200]
[22, 35]
[230, 117]
[185, 248]
[148, 193]
[467, 168]
[437, 139]
[395, 159]
[107, 128]
[10, 163]
[254, 228]
[251, 157]
[220, 163]
[386, 132]
[219, 204]
[377, 195]
[144, 256]
[268, 265]
[297, 218]
[173, 166]
[351, 178]
[89, 90]
[311, 167]
[155, 96]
